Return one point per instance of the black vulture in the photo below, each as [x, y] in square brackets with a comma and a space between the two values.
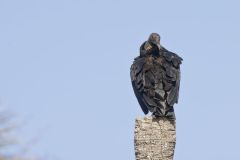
[155, 76]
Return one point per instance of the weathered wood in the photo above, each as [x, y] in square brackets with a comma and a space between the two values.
[154, 138]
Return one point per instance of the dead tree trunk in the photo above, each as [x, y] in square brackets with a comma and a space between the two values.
[154, 138]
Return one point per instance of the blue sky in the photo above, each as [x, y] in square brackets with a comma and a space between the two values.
[64, 68]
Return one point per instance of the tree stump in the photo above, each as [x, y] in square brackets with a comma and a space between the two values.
[154, 138]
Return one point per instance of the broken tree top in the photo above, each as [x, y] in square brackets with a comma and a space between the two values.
[154, 138]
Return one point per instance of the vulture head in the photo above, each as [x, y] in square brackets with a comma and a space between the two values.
[154, 39]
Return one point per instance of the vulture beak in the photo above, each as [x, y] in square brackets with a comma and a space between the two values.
[157, 44]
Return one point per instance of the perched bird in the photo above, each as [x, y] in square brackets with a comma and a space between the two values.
[155, 76]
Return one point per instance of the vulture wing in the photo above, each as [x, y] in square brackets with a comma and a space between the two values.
[136, 74]
[172, 77]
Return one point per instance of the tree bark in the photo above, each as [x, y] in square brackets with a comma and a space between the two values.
[154, 138]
